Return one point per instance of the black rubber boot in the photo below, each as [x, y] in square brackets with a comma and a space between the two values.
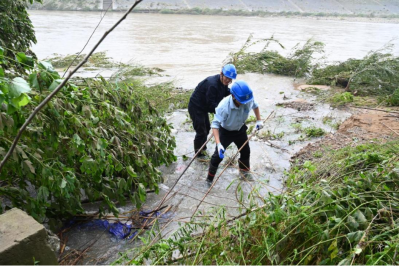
[211, 173]
[202, 154]
[245, 171]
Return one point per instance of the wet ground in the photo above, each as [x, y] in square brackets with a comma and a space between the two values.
[271, 151]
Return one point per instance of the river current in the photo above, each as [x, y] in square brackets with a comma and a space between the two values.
[190, 47]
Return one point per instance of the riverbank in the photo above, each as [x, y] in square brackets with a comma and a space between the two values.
[366, 17]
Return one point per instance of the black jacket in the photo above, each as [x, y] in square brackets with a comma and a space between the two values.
[209, 93]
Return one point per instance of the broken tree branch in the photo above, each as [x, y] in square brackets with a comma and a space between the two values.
[54, 92]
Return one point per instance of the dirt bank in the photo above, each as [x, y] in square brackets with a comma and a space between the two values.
[362, 127]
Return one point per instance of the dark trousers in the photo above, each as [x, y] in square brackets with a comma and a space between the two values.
[239, 138]
[201, 125]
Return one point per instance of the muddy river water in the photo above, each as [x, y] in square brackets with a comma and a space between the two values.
[189, 48]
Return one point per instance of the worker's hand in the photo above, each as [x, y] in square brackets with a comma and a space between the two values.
[220, 150]
[259, 125]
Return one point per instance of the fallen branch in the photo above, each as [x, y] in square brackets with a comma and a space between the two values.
[275, 146]
[54, 92]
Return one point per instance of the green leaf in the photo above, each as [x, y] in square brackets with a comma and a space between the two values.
[357, 251]
[142, 193]
[360, 217]
[1, 72]
[30, 166]
[352, 222]
[131, 171]
[18, 86]
[27, 61]
[21, 100]
[43, 193]
[345, 261]
[55, 84]
[63, 183]
[46, 66]
[34, 83]
[122, 184]
[355, 236]
[333, 248]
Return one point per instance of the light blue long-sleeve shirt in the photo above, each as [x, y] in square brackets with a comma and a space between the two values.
[231, 117]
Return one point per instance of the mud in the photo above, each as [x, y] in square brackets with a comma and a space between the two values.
[363, 127]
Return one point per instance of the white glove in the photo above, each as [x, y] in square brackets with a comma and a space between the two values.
[220, 150]
[259, 125]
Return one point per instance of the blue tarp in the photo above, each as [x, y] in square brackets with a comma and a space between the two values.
[119, 229]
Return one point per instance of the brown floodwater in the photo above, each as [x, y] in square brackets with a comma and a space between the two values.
[190, 47]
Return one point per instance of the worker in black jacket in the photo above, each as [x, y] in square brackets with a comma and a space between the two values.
[205, 99]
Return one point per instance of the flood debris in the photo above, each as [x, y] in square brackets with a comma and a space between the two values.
[300, 105]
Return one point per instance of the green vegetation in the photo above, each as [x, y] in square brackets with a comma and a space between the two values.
[16, 32]
[313, 132]
[341, 98]
[297, 64]
[333, 123]
[342, 209]
[376, 74]
[393, 99]
[99, 59]
[91, 5]
[97, 139]
[268, 135]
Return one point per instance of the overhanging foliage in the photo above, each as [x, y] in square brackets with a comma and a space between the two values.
[98, 139]
[16, 29]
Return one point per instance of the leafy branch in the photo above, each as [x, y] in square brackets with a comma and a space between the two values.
[59, 87]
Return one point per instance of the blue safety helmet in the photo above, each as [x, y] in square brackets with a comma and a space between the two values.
[229, 71]
[242, 92]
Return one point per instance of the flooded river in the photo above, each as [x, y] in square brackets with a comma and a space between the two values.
[189, 48]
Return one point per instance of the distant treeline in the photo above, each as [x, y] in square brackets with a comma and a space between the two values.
[221, 12]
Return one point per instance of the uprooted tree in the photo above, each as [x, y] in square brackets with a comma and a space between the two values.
[100, 140]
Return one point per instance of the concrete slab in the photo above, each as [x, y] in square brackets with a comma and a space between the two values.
[23, 240]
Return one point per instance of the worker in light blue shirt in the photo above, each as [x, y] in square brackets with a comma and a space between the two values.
[229, 126]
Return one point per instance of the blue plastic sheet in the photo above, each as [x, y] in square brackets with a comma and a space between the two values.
[119, 229]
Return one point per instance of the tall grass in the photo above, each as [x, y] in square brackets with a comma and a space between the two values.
[376, 74]
[298, 63]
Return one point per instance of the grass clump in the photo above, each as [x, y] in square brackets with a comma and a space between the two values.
[393, 99]
[98, 59]
[297, 63]
[328, 120]
[313, 132]
[376, 74]
[341, 98]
